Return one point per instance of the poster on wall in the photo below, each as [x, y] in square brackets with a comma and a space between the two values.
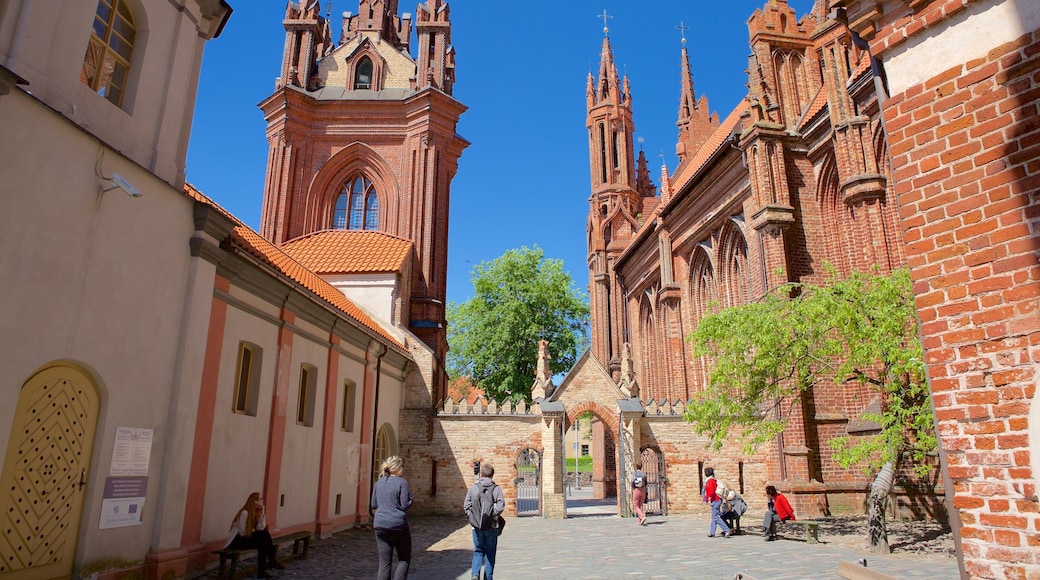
[123, 502]
[131, 452]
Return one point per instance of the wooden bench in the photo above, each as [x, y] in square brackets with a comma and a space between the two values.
[812, 529]
[229, 557]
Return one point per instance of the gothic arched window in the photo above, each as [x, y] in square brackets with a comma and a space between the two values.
[357, 206]
[363, 74]
[106, 65]
[339, 215]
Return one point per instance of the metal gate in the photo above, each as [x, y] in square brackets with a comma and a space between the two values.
[528, 483]
[656, 482]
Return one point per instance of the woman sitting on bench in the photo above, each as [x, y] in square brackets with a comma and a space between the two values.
[249, 531]
[779, 510]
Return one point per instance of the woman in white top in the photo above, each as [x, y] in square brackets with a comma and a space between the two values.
[249, 531]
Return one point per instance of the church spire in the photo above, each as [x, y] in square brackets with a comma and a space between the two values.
[695, 122]
[307, 38]
[436, 63]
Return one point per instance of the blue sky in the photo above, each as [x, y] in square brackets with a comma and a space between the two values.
[521, 68]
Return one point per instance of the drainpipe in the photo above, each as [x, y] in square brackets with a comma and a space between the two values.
[375, 415]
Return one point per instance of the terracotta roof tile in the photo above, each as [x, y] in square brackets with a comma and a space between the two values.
[349, 251]
[714, 142]
[814, 108]
[257, 246]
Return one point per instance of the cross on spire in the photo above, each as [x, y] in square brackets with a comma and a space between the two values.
[604, 16]
[682, 29]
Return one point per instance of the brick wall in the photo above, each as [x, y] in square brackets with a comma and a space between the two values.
[965, 148]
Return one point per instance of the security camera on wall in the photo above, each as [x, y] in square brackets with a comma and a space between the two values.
[120, 182]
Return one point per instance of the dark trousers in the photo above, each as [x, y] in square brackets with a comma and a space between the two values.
[260, 540]
[389, 541]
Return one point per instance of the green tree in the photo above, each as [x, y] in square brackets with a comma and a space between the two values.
[764, 355]
[520, 298]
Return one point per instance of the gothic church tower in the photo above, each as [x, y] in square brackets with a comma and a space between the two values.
[362, 137]
[619, 189]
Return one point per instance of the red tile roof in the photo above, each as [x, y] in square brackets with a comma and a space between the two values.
[714, 142]
[248, 240]
[349, 251]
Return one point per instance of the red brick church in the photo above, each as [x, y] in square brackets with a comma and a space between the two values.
[794, 177]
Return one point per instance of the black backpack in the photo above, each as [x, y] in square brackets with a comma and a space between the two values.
[485, 504]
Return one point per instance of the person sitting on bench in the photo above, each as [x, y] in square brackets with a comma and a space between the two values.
[249, 531]
[779, 510]
[733, 506]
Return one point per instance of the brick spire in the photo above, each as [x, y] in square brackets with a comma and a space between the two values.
[307, 38]
[695, 122]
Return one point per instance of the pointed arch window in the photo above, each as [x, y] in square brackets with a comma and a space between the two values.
[106, 65]
[363, 74]
[357, 206]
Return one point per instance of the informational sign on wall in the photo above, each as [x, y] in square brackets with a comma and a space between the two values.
[127, 484]
[123, 502]
[131, 453]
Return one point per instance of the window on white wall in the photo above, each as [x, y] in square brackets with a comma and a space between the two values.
[247, 379]
[306, 395]
[349, 405]
[106, 65]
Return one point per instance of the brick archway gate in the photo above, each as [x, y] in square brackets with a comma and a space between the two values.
[604, 446]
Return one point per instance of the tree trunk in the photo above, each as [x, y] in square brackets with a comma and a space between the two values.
[879, 491]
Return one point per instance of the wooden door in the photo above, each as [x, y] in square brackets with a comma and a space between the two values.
[45, 473]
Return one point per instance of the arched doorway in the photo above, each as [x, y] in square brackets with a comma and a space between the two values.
[656, 488]
[386, 445]
[601, 497]
[45, 472]
[528, 483]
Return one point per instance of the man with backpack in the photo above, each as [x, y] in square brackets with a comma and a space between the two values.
[712, 487]
[484, 505]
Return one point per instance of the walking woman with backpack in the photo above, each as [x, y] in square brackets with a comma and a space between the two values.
[484, 505]
[639, 493]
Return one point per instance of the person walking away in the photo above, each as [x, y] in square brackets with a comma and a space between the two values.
[779, 510]
[484, 505]
[391, 499]
[639, 493]
[712, 497]
[249, 531]
[733, 507]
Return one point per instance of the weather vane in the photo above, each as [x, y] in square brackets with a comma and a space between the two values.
[604, 16]
[682, 28]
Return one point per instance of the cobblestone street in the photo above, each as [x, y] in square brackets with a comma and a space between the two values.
[594, 545]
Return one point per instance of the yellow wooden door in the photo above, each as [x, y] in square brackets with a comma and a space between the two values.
[45, 470]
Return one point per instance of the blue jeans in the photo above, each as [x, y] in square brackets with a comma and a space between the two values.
[716, 518]
[485, 544]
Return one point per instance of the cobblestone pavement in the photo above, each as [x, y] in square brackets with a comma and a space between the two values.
[608, 547]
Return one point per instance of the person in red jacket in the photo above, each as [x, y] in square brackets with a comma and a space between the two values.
[711, 496]
[779, 510]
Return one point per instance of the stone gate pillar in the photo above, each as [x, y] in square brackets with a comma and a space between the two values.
[554, 505]
[631, 419]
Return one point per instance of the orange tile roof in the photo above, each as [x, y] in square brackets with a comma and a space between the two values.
[349, 251]
[714, 142]
[257, 246]
[814, 108]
